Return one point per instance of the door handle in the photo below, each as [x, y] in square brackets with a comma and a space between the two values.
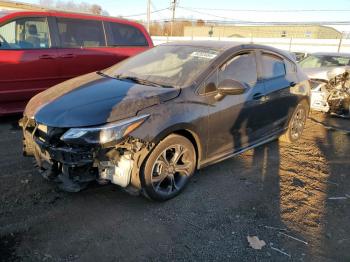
[67, 56]
[258, 96]
[46, 57]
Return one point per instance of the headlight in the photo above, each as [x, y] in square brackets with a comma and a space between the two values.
[104, 134]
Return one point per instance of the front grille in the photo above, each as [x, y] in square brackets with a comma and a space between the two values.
[47, 135]
[48, 140]
[50, 136]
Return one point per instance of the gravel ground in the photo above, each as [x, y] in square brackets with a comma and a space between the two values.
[294, 197]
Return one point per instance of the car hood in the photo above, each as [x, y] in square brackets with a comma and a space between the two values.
[319, 73]
[92, 100]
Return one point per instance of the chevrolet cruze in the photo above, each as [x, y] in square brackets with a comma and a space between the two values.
[148, 123]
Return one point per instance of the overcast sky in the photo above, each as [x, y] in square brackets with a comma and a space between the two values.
[286, 11]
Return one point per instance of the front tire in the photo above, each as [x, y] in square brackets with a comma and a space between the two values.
[168, 168]
[296, 123]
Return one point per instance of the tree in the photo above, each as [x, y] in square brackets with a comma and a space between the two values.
[156, 28]
[69, 5]
[96, 9]
[200, 22]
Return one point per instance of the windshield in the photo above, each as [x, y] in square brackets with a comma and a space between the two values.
[317, 61]
[165, 65]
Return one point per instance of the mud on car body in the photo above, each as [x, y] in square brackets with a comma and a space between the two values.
[148, 123]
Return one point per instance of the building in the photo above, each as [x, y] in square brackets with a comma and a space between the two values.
[274, 31]
[9, 5]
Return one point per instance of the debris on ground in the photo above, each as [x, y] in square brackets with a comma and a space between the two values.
[279, 251]
[338, 198]
[255, 242]
[296, 239]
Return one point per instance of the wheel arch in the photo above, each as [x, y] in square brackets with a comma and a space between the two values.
[187, 132]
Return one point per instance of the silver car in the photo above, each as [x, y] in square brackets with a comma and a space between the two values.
[317, 65]
[330, 92]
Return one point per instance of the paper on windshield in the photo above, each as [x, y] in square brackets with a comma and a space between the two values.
[206, 55]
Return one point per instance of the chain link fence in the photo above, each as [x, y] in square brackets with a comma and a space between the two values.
[307, 38]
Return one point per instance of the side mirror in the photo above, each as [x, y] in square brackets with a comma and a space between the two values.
[229, 87]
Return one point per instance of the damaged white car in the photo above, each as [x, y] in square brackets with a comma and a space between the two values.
[330, 81]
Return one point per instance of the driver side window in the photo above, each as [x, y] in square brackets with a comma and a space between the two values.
[25, 33]
[241, 68]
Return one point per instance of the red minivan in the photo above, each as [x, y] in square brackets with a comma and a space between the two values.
[39, 49]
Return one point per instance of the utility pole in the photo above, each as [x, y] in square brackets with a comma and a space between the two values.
[148, 15]
[340, 41]
[173, 7]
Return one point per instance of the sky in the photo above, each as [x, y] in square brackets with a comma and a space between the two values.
[268, 10]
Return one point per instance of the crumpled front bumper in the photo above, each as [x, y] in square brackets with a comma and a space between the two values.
[58, 162]
[319, 95]
[73, 166]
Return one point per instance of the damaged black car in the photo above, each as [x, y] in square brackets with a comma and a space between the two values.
[148, 123]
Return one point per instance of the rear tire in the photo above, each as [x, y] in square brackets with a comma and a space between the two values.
[296, 123]
[168, 168]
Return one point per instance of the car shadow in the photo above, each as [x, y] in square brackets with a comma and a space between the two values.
[335, 147]
[11, 120]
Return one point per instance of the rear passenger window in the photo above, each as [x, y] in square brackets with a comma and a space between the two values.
[80, 33]
[126, 35]
[272, 66]
[25, 33]
[241, 68]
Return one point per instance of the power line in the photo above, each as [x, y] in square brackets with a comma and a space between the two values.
[261, 23]
[238, 22]
[267, 10]
[141, 14]
[155, 8]
[203, 13]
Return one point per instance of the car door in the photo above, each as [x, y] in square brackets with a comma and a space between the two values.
[236, 121]
[28, 62]
[81, 46]
[279, 76]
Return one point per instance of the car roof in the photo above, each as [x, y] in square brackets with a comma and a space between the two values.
[332, 54]
[226, 45]
[5, 14]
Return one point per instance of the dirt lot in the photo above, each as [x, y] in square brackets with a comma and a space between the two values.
[275, 192]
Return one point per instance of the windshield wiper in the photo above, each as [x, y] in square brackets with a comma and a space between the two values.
[141, 81]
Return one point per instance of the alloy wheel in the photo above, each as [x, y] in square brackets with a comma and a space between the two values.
[172, 169]
[298, 122]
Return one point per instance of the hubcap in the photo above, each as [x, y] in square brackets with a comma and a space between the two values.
[172, 169]
[298, 123]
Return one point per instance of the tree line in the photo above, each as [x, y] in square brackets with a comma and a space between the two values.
[72, 6]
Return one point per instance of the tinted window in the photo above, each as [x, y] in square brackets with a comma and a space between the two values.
[126, 35]
[290, 67]
[241, 68]
[80, 33]
[316, 61]
[273, 66]
[25, 33]
[210, 85]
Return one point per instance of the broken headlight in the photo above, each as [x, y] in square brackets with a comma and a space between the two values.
[103, 134]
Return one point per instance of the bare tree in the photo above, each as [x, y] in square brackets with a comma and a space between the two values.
[156, 29]
[200, 22]
[69, 5]
[96, 9]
